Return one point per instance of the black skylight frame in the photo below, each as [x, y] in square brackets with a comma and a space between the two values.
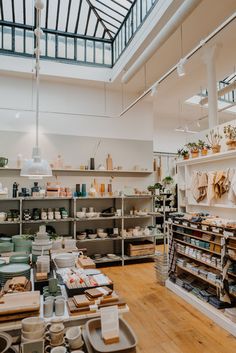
[99, 27]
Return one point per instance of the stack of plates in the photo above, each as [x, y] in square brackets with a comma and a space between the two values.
[21, 244]
[6, 247]
[65, 260]
[5, 239]
[2, 262]
[20, 259]
[13, 270]
[43, 264]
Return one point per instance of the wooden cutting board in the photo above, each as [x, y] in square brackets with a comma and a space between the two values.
[20, 302]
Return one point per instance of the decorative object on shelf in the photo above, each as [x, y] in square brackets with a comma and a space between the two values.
[19, 161]
[35, 190]
[83, 191]
[109, 162]
[92, 164]
[194, 149]
[230, 134]
[37, 167]
[203, 147]
[3, 162]
[3, 192]
[183, 153]
[214, 139]
[15, 189]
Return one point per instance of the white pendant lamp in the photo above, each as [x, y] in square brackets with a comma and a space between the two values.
[37, 168]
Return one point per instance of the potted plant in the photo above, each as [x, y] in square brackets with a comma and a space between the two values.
[194, 149]
[214, 138]
[168, 180]
[183, 153]
[203, 147]
[230, 134]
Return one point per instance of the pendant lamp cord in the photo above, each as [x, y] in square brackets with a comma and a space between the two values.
[37, 68]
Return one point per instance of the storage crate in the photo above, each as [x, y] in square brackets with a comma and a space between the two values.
[141, 248]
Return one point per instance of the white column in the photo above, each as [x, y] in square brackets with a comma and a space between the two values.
[209, 60]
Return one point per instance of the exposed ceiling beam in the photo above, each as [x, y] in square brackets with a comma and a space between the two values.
[221, 92]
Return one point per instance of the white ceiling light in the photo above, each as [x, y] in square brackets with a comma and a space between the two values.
[37, 168]
[154, 90]
[180, 67]
[185, 129]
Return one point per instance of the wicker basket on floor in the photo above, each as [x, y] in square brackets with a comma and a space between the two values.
[161, 267]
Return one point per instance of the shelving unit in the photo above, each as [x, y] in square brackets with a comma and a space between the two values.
[72, 223]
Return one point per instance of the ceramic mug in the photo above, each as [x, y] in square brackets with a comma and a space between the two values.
[74, 337]
[3, 216]
[59, 307]
[55, 339]
[57, 349]
[3, 161]
[48, 306]
[37, 334]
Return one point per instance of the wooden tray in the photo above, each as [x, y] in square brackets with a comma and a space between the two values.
[20, 302]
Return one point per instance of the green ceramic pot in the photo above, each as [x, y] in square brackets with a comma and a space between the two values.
[3, 162]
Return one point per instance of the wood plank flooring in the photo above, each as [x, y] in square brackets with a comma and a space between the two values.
[163, 322]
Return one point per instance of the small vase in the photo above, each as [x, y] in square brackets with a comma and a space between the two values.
[194, 154]
[231, 144]
[216, 148]
[204, 152]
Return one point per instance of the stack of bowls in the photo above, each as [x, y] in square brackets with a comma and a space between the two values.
[65, 260]
[33, 328]
[42, 243]
[20, 259]
[21, 244]
[14, 270]
[2, 262]
[6, 247]
[4, 239]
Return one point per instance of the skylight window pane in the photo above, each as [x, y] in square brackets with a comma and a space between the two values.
[80, 49]
[89, 51]
[29, 6]
[83, 17]
[107, 54]
[91, 24]
[70, 54]
[52, 8]
[19, 40]
[73, 15]
[1, 30]
[149, 4]
[51, 47]
[18, 5]
[61, 47]
[29, 42]
[99, 52]
[7, 38]
[63, 15]
[7, 10]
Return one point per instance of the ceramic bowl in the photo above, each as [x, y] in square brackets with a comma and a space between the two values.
[92, 236]
[31, 324]
[102, 235]
[80, 214]
[5, 341]
[81, 236]
[91, 214]
[34, 334]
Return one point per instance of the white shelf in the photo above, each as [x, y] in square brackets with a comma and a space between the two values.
[96, 219]
[215, 205]
[214, 314]
[208, 158]
[69, 219]
[92, 172]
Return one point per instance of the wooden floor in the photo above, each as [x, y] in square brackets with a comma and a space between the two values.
[163, 322]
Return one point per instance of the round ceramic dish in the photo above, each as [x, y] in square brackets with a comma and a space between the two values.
[2, 262]
[5, 341]
[24, 259]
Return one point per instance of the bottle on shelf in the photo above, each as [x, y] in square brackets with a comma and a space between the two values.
[15, 190]
[109, 162]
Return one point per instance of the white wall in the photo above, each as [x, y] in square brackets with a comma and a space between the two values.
[61, 106]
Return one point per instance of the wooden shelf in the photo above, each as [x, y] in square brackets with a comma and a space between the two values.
[213, 206]
[208, 158]
[198, 276]
[97, 219]
[98, 239]
[197, 247]
[232, 274]
[231, 247]
[10, 222]
[198, 229]
[195, 237]
[200, 261]
[69, 219]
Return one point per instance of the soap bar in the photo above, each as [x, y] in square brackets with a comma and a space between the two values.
[40, 276]
[110, 338]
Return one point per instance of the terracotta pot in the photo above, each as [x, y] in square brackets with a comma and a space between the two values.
[231, 144]
[204, 152]
[216, 148]
[186, 157]
[194, 154]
